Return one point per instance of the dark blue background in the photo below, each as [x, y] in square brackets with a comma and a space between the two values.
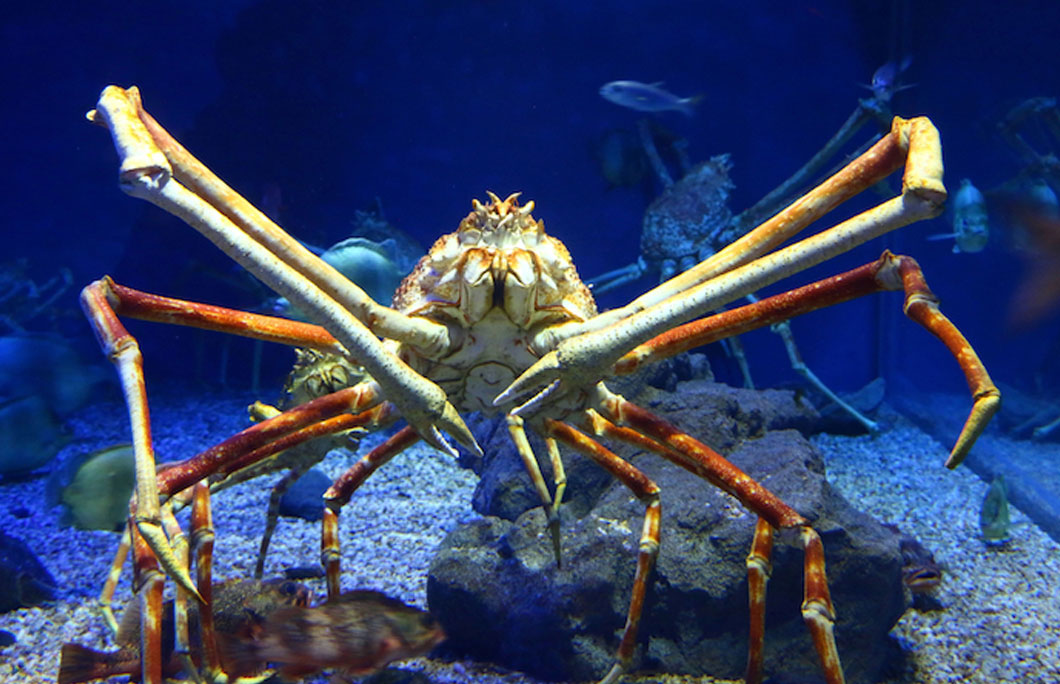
[427, 105]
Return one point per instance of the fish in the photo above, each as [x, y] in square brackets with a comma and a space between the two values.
[920, 572]
[886, 79]
[239, 606]
[994, 520]
[647, 97]
[971, 227]
[358, 632]
[95, 488]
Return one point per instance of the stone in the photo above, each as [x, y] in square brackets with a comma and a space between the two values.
[30, 434]
[717, 414]
[305, 498]
[24, 581]
[495, 587]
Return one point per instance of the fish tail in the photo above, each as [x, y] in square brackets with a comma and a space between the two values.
[82, 664]
[688, 104]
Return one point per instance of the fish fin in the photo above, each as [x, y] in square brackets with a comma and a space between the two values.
[942, 236]
[79, 663]
[688, 105]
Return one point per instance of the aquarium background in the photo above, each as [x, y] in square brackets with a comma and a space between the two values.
[331, 107]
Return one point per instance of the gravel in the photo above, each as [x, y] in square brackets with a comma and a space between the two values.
[999, 623]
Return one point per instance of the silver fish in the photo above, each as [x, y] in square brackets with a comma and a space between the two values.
[647, 97]
[971, 227]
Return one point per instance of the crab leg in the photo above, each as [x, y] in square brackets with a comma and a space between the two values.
[577, 362]
[889, 272]
[648, 492]
[202, 536]
[156, 168]
[148, 582]
[759, 567]
[696, 457]
[338, 495]
[144, 306]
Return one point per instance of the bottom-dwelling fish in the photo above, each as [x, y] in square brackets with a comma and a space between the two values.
[358, 633]
[239, 607]
[920, 573]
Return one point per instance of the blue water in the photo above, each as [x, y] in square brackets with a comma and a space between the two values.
[427, 105]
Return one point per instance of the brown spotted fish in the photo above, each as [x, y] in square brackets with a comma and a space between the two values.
[920, 572]
[238, 607]
[358, 633]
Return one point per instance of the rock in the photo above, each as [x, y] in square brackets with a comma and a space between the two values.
[46, 365]
[718, 415]
[305, 498]
[6, 638]
[495, 587]
[866, 401]
[30, 434]
[24, 581]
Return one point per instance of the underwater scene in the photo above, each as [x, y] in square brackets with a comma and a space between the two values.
[614, 342]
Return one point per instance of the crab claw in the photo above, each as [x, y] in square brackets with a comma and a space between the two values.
[156, 539]
[544, 373]
[576, 364]
[452, 423]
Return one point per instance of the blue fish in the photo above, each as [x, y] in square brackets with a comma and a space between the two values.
[886, 79]
[647, 97]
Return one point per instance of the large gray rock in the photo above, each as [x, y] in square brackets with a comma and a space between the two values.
[497, 591]
[721, 416]
[24, 581]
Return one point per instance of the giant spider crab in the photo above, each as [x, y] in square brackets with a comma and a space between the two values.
[493, 313]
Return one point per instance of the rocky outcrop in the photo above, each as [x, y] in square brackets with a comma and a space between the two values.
[498, 592]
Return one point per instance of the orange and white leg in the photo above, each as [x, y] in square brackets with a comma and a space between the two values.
[648, 493]
[338, 495]
[889, 272]
[156, 168]
[670, 442]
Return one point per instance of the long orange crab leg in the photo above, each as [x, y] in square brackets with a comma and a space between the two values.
[698, 458]
[202, 537]
[577, 363]
[758, 570]
[181, 551]
[338, 495]
[156, 168]
[124, 352]
[127, 302]
[889, 272]
[148, 582]
[648, 492]
[263, 439]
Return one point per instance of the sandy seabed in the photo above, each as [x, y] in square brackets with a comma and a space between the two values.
[1000, 622]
